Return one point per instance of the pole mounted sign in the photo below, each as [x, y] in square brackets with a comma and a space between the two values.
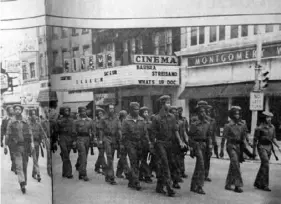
[256, 101]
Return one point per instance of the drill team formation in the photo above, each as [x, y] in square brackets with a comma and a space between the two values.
[148, 146]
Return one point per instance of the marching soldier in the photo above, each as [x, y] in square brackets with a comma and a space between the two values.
[85, 130]
[176, 153]
[145, 172]
[183, 130]
[37, 133]
[110, 131]
[48, 129]
[164, 129]
[235, 133]
[5, 121]
[134, 131]
[20, 135]
[122, 165]
[100, 163]
[264, 139]
[213, 127]
[200, 140]
[66, 141]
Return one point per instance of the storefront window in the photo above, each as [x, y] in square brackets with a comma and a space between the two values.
[275, 108]
[213, 33]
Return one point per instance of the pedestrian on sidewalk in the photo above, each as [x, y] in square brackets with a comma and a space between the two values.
[4, 125]
[201, 143]
[20, 134]
[264, 139]
[235, 132]
[37, 133]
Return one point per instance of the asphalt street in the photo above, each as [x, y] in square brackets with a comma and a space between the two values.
[73, 191]
[37, 193]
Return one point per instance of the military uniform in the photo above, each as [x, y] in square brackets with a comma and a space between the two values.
[183, 128]
[134, 132]
[20, 137]
[37, 132]
[264, 137]
[200, 140]
[110, 127]
[100, 163]
[46, 125]
[66, 132]
[85, 130]
[235, 134]
[11, 147]
[163, 128]
[122, 165]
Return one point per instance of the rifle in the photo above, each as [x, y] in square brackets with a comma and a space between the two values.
[216, 150]
[41, 148]
[274, 153]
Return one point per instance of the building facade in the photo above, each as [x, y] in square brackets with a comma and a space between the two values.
[119, 66]
[218, 65]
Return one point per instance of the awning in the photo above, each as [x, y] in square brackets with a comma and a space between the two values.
[217, 91]
[74, 105]
[241, 89]
[46, 96]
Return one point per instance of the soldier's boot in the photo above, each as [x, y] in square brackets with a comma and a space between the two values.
[138, 186]
[170, 191]
[22, 187]
[38, 178]
[238, 189]
[208, 179]
[228, 187]
[113, 182]
[200, 191]
[148, 180]
[34, 175]
[176, 185]
[266, 189]
[184, 175]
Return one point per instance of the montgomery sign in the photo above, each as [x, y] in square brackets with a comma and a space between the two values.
[269, 51]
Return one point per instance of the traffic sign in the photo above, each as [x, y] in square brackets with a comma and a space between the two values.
[256, 101]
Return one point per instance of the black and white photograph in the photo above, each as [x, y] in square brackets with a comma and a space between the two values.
[144, 102]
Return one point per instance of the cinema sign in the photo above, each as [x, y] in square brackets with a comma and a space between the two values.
[156, 59]
[248, 54]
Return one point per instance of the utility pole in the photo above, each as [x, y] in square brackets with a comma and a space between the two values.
[257, 83]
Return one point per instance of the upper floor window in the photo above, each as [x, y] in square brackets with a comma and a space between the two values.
[55, 33]
[222, 32]
[24, 72]
[193, 36]
[55, 58]
[85, 31]
[213, 33]
[64, 32]
[268, 28]
[279, 26]
[201, 35]
[234, 31]
[256, 29]
[163, 42]
[41, 64]
[74, 32]
[139, 45]
[32, 70]
[86, 50]
[244, 30]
